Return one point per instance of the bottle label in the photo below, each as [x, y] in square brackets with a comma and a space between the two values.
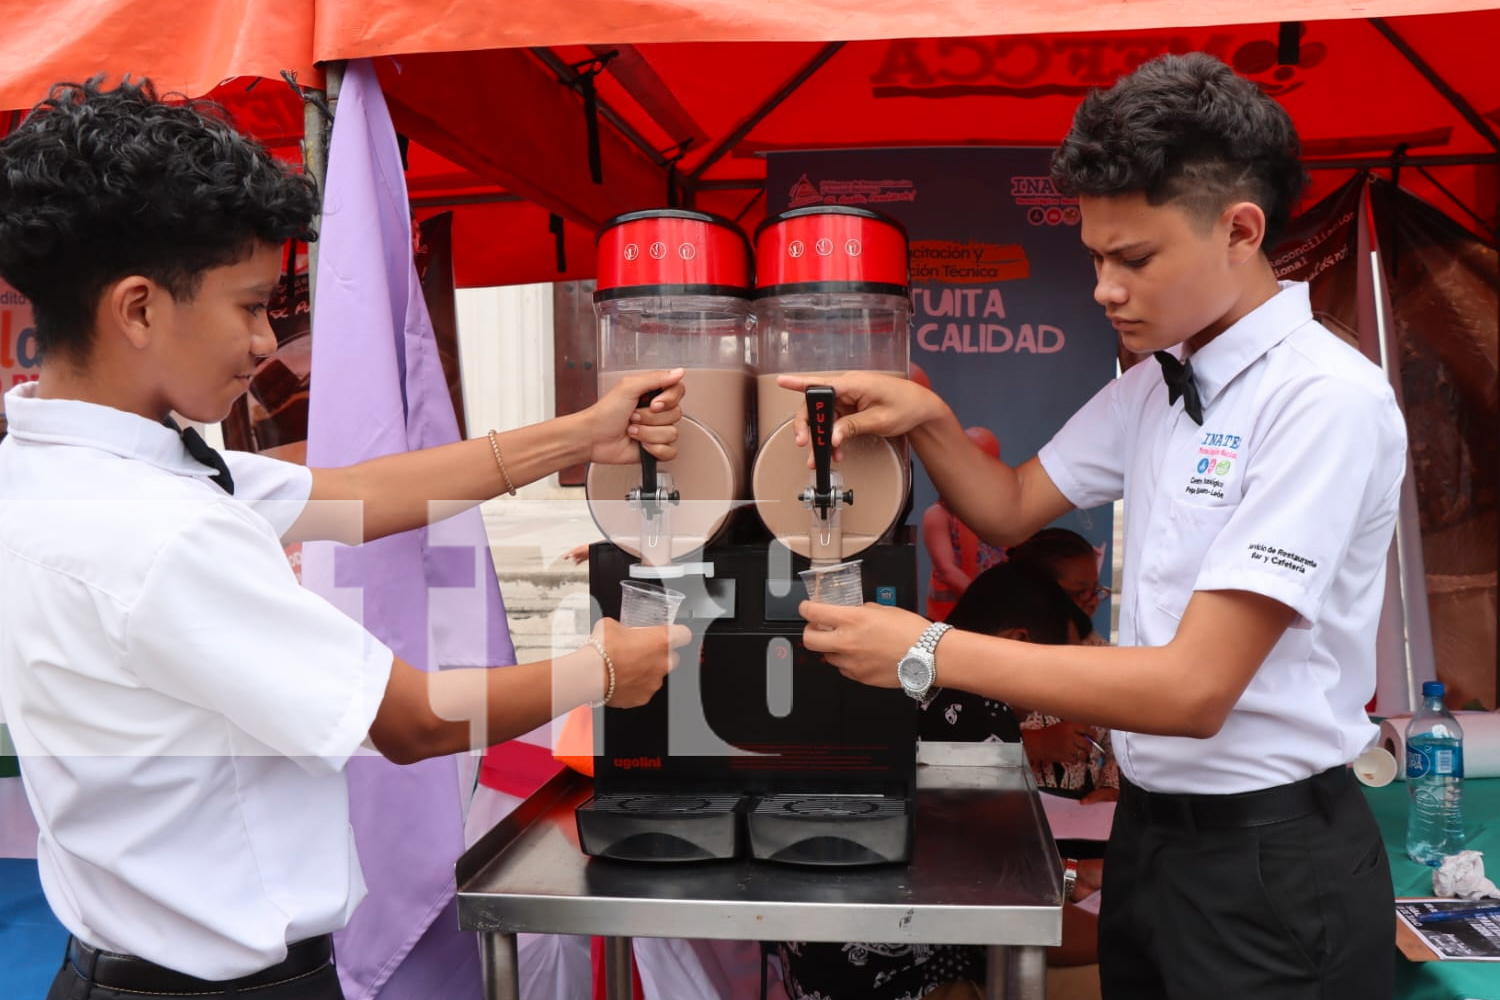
[1424, 760]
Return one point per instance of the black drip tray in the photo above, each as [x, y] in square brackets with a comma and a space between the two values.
[660, 827]
[831, 829]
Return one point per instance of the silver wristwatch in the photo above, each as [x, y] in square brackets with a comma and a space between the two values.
[918, 668]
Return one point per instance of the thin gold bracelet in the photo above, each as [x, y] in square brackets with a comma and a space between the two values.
[495, 447]
[609, 666]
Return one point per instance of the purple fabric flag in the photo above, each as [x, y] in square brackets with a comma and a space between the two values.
[430, 594]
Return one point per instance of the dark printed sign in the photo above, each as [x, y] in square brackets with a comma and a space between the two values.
[1004, 325]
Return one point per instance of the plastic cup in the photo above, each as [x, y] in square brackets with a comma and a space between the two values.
[644, 604]
[839, 583]
[1375, 767]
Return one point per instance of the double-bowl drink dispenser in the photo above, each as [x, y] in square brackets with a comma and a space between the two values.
[754, 746]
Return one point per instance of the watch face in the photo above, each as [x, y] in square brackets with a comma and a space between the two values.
[915, 673]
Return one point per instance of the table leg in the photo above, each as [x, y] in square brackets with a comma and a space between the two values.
[617, 968]
[1016, 973]
[499, 969]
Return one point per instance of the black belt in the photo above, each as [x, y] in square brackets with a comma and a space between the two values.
[127, 972]
[1239, 811]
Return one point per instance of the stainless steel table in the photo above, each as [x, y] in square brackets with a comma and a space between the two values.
[984, 871]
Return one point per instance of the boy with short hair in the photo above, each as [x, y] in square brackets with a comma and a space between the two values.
[181, 707]
[1261, 464]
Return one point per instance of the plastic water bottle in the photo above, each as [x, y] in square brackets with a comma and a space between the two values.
[1434, 780]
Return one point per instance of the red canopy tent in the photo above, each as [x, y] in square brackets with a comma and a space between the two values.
[494, 110]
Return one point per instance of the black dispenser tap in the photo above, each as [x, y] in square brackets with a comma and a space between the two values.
[649, 494]
[820, 418]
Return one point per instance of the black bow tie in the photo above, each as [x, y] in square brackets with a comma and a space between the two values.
[199, 449]
[1179, 378]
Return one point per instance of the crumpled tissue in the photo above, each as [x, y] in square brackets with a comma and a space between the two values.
[1462, 875]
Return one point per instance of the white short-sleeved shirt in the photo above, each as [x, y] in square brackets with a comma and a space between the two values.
[182, 708]
[1289, 489]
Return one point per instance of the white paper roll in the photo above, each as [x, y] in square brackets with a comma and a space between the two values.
[1481, 742]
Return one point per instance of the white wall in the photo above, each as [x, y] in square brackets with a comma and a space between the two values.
[505, 347]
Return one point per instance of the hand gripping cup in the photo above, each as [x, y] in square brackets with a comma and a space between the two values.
[644, 604]
[839, 583]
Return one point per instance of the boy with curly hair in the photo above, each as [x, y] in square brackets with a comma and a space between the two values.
[181, 707]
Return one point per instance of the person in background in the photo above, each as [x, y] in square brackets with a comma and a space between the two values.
[1260, 461]
[1071, 758]
[956, 553]
[1068, 559]
[1018, 604]
[182, 708]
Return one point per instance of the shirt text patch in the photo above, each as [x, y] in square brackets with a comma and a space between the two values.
[1281, 557]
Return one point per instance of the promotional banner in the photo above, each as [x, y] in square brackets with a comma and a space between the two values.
[1436, 293]
[1321, 246]
[1328, 246]
[1004, 324]
[1444, 296]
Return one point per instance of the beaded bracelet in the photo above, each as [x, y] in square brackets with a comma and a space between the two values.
[495, 447]
[609, 665]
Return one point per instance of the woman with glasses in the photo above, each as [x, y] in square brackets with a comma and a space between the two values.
[1070, 559]
[1071, 758]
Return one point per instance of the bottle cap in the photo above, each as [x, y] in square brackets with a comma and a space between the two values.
[1432, 689]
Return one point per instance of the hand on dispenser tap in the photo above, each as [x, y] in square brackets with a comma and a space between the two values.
[864, 643]
[618, 426]
[869, 403]
[641, 659]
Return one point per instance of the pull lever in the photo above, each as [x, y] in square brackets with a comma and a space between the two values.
[649, 495]
[820, 418]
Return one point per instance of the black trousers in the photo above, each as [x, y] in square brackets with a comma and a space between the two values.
[87, 975]
[1206, 902]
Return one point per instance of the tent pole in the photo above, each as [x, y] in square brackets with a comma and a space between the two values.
[1438, 83]
[826, 53]
[569, 77]
[751, 203]
[631, 70]
[1478, 221]
[317, 129]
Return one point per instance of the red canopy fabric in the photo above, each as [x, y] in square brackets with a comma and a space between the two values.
[357, 28]
[183, 45]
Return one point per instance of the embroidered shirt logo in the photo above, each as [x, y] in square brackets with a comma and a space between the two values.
[1216, 456]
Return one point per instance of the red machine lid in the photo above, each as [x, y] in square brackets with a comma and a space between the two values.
[671, 251]
[831, 248]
